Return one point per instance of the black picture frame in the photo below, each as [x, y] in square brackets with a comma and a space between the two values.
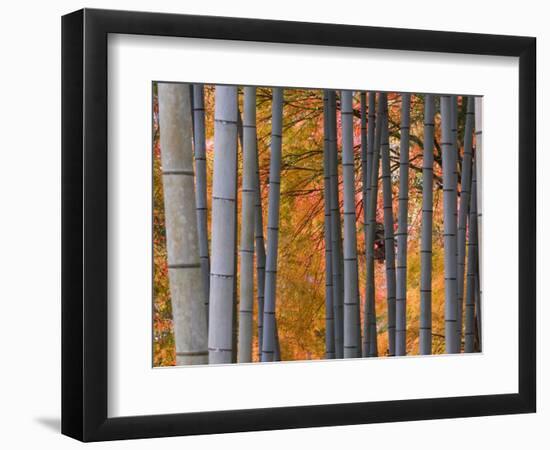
[84, 224]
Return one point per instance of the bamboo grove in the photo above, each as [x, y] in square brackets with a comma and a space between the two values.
[385, 258]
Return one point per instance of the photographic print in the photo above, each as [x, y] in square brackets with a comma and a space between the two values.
[258, 225]
[306, 224]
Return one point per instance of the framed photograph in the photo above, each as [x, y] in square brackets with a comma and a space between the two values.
[273, 225]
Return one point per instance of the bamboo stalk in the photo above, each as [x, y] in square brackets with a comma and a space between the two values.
[426, 237]
[389, 244]
[200, 170]
[222, 270]
[352, 337]
[471, 282]
[371, 343]
[269, 331]
[247, 227]
[184, 269]
[449, 224]
[464, 207]
[402, 231]
[336, 244]
[479, 178]
[329, 307]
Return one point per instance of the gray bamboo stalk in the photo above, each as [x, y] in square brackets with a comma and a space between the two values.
[248, 191]
[365, 194]
[269, 334]
[352, 336]
[364, 160]
[371, 316]
[329, 307]
[449, 224]
[367, 143]
[200, 170]
[389, 242]
[335, 228]
[470, 308]
[479, 178]
[454, 134]
[234, 344]
[463, 210]
[371, 343]
[184, 269]
[402, 230]
[260, 253]
[425, 333]
[222, 270]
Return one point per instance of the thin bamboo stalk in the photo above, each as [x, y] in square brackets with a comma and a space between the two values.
[426, 238]
[449, 224]
[371, 343]
[336, 244]
[247, 227]
[329, 307]
[402, 230]
[269, 330]
[352, 336]
[470, 309]
[463, 210]
[200, 170]
[389, 241]
[479, 178]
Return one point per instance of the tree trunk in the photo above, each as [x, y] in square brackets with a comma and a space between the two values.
[222, 271]
[479, 184]
[389, 243]
[269, 335]
[449, 224]
[352, 335]
[402, 231]
[200, 170]
[184, 268]
[463, 211]
[371, 340]
[337, 284]
[329, 307]
[426, 238]
[470, 309]
[247, 227]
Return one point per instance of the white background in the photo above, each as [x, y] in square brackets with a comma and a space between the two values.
[136, 389]
[30, 225]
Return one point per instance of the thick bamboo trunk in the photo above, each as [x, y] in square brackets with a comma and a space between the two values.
[200, 180]
[247, 227]
[449, 224]
[425, 334]
[352, 335]
[222, 270]
[329, 306]
[389, 242]
[463, 211]
[371, 338]
[471, 281]
[479, 178]
[335, 227]
[402, 231]
[184, 268]
[269, 334]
